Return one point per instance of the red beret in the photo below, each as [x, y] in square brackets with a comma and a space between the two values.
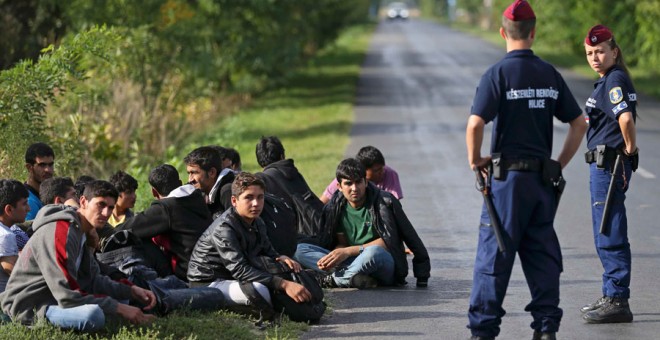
[597, 35]
[519, 10]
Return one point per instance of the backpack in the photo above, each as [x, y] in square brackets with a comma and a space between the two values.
[280, 220]
[310, 311]
[308, 207]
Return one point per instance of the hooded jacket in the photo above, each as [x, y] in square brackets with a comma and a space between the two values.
[229, 250]
[391, 224]
[56, 267]
[181, 217]
[282, 179]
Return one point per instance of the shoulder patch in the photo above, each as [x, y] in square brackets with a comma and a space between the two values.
[616, 95]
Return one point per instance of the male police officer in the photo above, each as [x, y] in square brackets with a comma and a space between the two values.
[520, 94]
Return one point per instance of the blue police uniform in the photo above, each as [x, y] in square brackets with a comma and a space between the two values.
[521, 94]
[613, 94]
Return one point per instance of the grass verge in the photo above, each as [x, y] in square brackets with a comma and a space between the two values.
[312, 114]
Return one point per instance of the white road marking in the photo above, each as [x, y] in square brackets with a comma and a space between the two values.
[644, 173]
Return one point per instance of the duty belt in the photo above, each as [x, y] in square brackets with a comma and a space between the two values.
[531, 165]
[608, 155]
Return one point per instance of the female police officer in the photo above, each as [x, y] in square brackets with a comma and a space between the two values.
[611, 140]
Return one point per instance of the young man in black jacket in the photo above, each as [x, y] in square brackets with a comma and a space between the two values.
[176, 219]
[369, 229]
[208, 170]
[228, 251]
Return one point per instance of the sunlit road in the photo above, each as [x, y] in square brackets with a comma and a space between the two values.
[413, 101]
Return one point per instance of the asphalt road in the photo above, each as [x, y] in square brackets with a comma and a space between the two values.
[413, 101]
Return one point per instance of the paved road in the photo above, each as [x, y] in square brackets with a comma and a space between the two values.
[414, 96]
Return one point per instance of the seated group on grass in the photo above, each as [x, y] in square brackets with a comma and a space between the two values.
[85, 256]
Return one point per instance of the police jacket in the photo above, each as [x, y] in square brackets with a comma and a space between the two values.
[229, 250]
[181, 217]
[392, 225]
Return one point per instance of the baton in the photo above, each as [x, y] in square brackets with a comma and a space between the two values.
[488, 199]
[610, 193]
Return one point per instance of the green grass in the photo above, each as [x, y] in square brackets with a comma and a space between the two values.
[312, 114]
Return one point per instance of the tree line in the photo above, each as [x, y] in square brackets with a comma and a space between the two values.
[114, 84]
[564, 24]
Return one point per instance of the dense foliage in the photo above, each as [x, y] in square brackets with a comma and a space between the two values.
[127, 96]
[563, 24]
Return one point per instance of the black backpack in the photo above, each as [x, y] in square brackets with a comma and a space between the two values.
[280, 220]
[308, 207]
[310, 311]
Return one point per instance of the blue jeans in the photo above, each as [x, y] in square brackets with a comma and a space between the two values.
[374, 261]
[612, 246]
[85, 318]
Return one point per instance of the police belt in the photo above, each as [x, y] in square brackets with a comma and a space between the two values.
[602, 155]
[531, 165]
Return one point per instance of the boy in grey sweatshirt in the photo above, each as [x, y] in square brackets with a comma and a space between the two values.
[56, 276]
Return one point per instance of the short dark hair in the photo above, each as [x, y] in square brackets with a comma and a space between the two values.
[38, 150]
[80, 184]
[54, 187]
[269, 150]
[518, 30]
[351, 169]
[164, 178]
[100, 188]
[206, 157]
[243, 180]
[123, 182]
[234, 156]
[370, 156]
[11, 191]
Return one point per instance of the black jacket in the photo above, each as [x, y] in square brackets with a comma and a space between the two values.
[229, 250]
[220, 199]
[392, 225]
[181, 219]
[282, 178]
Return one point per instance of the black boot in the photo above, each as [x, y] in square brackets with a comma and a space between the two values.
[593, 306]
[544, 336]
[614, 310]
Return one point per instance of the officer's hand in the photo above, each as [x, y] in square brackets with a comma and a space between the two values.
[481, 163]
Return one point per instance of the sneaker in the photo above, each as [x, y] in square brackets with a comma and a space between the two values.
[362, 281]
[544, 336]
[614, 310]
[593, 306]
[325, 280]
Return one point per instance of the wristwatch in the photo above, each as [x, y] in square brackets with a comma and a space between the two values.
[361, 249]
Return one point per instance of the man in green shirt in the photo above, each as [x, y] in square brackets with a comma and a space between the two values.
[369, 229]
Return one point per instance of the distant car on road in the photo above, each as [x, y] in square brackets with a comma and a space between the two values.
[397, 10]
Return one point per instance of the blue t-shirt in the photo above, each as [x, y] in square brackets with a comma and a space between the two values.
[521, 94]
[34, 202]
[613, 95]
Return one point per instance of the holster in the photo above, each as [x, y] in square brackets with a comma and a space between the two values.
[551, 175]
[496, 166]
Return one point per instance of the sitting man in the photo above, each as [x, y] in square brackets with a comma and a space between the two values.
[56, 277]
[39, 162]
[13, 209]
[228, 251]
[58, 190]
[369, 228]
[177, 218]
[208, 171]
[384, 177]
[126, 185]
